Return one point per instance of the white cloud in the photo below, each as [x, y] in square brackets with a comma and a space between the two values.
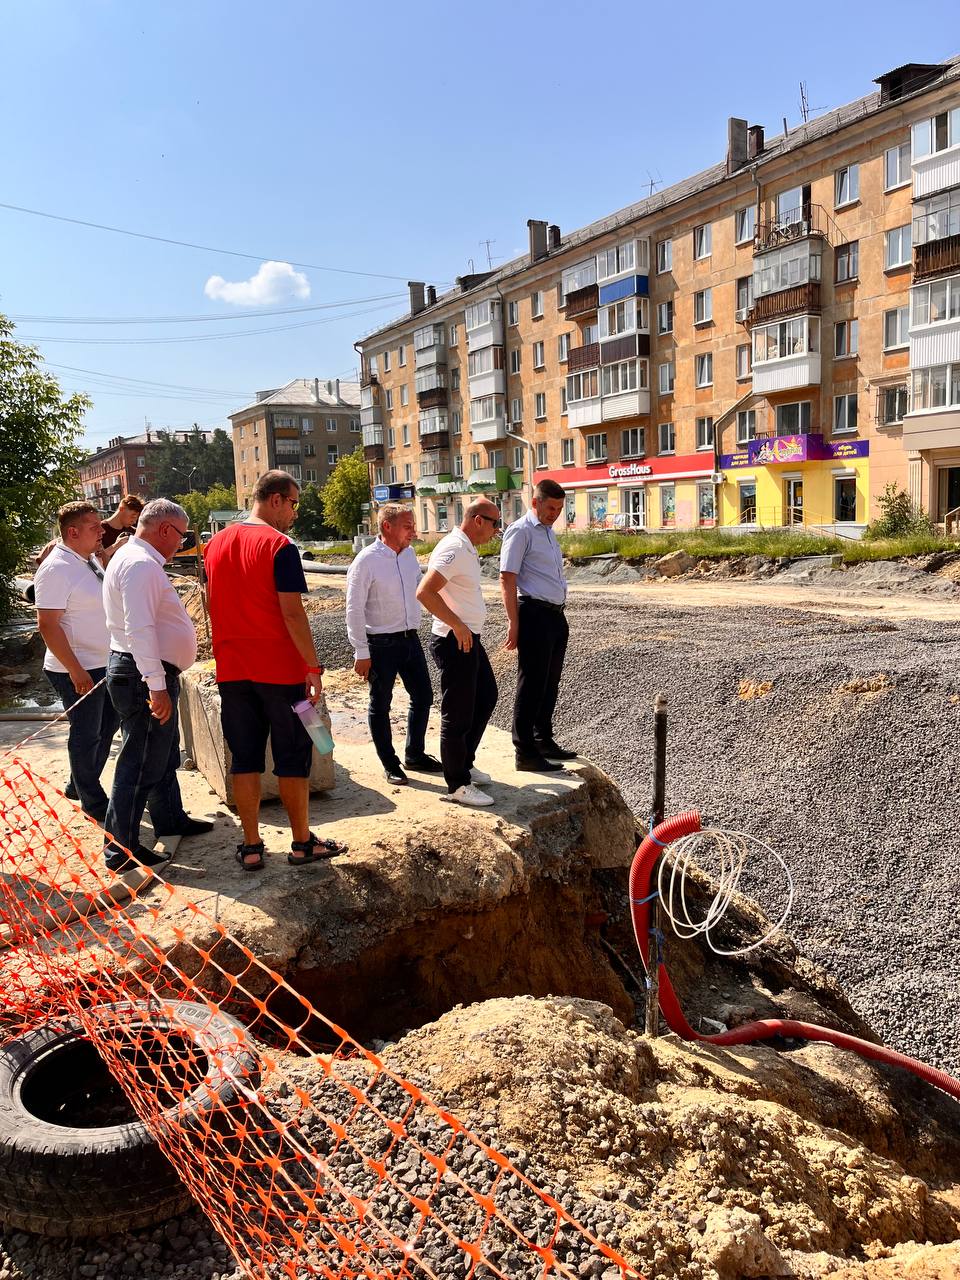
[272, 282]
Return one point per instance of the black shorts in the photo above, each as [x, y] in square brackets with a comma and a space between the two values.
[250, 711]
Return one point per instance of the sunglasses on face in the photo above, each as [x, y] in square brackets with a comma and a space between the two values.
[494, 520]
[294, 502]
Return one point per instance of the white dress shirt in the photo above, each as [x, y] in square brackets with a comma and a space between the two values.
[67, 581]
[144, 613]
[381, 594]
[456, 558]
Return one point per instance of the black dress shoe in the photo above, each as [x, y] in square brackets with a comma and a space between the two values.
[192, 827]
[554, 751]
[423, 764]
[536, 764]
[395, 775]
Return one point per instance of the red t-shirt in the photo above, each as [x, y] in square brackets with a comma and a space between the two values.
[247, 564]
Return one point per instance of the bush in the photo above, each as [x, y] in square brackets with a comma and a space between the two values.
[898, 516]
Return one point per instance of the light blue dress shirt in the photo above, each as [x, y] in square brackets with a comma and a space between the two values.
[381, 594]
[531, 551]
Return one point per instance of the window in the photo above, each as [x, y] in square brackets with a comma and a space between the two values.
[455, 376]
[893, 405]
[703, 306]
[332, 455]
[578, 277]
[844, 413]
[793, 419]
[706, 504]
[391, 438]
[284, 420]
[597, 447]
[746, 425]
[898, 247]
[847, 261]
[665, 317]
[479, 314]
[514, 359]
[666, 438]
[256, 453]
[486, 408]
[458, 464]
[516, 410]
[704, 370]
[355, 426]
[538, 355]
[568, 452]
[306, 426]
[389, 404]
[845, 338]
[373, 366]
[563, 398]
[782, 269]
[404, 395]
[536, 304]
[474, 462]
[744, 296]
[632, 443]
[406, 434]
[563, 347]
[629, 255]
[785, 338]
[540, 405]
[518, 457]
[937, 387]
[745, 224]
[407, 472]
[747, 494]
[846, 185]
[937, 217]
[513, 313]
[310, 474]
[386, 362]
[378, 476]
[626, 375]
[393, 475]
[666, 375]
[664, 256]
[141, 462]
[457, 424]
[704, 433]
[454, 335]
[845, 499]
[895, 326]
[936, 302]
[542, 454]
[431, 335]
[623, 317]
[668, 505]
[484, 361]
[896, 166]
[402, 355]
[703, 240]
[583, 386]
[937, 133]
[743, 361]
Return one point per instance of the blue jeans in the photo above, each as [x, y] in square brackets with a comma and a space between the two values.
[399, 654]
[92, 726]
[146, 772]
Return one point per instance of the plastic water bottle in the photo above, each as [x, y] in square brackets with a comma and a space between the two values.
[313, 723]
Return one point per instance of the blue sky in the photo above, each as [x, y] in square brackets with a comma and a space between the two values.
[376, 138]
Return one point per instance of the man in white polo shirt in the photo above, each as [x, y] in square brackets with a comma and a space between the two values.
[450, 590]
[68, 591]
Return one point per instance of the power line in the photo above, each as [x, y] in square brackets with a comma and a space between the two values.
[240, 315]
[205, 248]
[144, 382]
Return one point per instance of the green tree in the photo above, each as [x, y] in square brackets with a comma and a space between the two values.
[311, 520]
[39, 454]
[345, 493]
[194, 461]
[199, 505]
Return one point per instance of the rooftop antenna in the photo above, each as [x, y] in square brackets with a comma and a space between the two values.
[804, 102]
[653, 182]
[785, 130]
[487, 244]
[473, 269]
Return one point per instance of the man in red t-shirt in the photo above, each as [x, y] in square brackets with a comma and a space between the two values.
[266, 662]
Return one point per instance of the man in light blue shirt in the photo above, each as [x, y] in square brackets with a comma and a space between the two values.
[534, 595]
[383, 614]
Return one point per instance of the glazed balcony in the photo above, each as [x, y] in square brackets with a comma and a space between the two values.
[936, 257]
[433, 398]
[587, 357]
[582, 301]
[373, 444]
[798, 299]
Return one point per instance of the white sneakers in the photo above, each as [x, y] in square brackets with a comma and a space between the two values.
[479, 778]
[470, 795]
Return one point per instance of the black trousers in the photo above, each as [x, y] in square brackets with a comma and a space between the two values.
[541, 649]
[468, 695]
[399, 654]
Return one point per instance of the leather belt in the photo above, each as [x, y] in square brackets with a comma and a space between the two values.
[546, 604]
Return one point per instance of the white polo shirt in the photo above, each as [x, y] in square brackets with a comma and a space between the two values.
[67, 581]
[456, 558]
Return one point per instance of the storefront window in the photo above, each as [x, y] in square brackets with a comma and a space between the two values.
[706, 505]
[442, 517]
[845, 498]
[570, 509]
[748, 501]
[668, 505]
[597, 506]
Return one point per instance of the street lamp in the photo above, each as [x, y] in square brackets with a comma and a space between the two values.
[190, 475]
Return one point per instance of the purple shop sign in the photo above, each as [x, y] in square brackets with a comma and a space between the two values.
[777, 450]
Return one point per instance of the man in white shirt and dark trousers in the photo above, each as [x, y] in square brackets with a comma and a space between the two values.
[69, 598]
[383, 614]
[534, 595]
[151, 641]
[450, 590]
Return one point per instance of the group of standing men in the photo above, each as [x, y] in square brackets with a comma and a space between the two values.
[385, 592]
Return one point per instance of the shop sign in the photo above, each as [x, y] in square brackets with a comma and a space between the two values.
[618, 471]
[776, 450]
[393, 492]
[839, 449]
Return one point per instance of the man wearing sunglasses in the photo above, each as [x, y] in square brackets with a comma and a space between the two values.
[151, 641]
[450, 590]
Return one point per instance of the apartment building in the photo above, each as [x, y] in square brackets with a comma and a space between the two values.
[305, 428]
[123, 466]
[767, 343]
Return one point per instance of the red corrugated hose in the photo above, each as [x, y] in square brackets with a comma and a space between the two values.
[644, 862]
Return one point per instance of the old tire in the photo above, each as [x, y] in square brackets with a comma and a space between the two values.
[61, 1178]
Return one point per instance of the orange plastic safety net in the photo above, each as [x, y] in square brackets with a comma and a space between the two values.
[310, 1157]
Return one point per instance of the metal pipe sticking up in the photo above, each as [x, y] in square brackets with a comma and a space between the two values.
[657, 808]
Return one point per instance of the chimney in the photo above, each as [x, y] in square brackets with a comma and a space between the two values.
[754, 141]
[554, 237]
[337, 386]
[316, 390]
[736, 144]
[329, 387]
[416, 296]
[149, 437]
[538, 239]
[431, 294]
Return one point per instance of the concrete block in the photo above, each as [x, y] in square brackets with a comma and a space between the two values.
[203, 738]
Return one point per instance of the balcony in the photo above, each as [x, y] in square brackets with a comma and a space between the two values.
[583, 413]
[373, 444]
[587, 357]
[371, 416]
[802, 370]
[628, 287]
[798, 298]
[625, 404]
[936, 257]
[936, 172]
[489, 479]
[435, 463]
[493, 382]
[488, 334]
[433, 398]
[490, 430]
[791, 225]
[429, 347]
[582, 302]
[438, 439]
[627, 348]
